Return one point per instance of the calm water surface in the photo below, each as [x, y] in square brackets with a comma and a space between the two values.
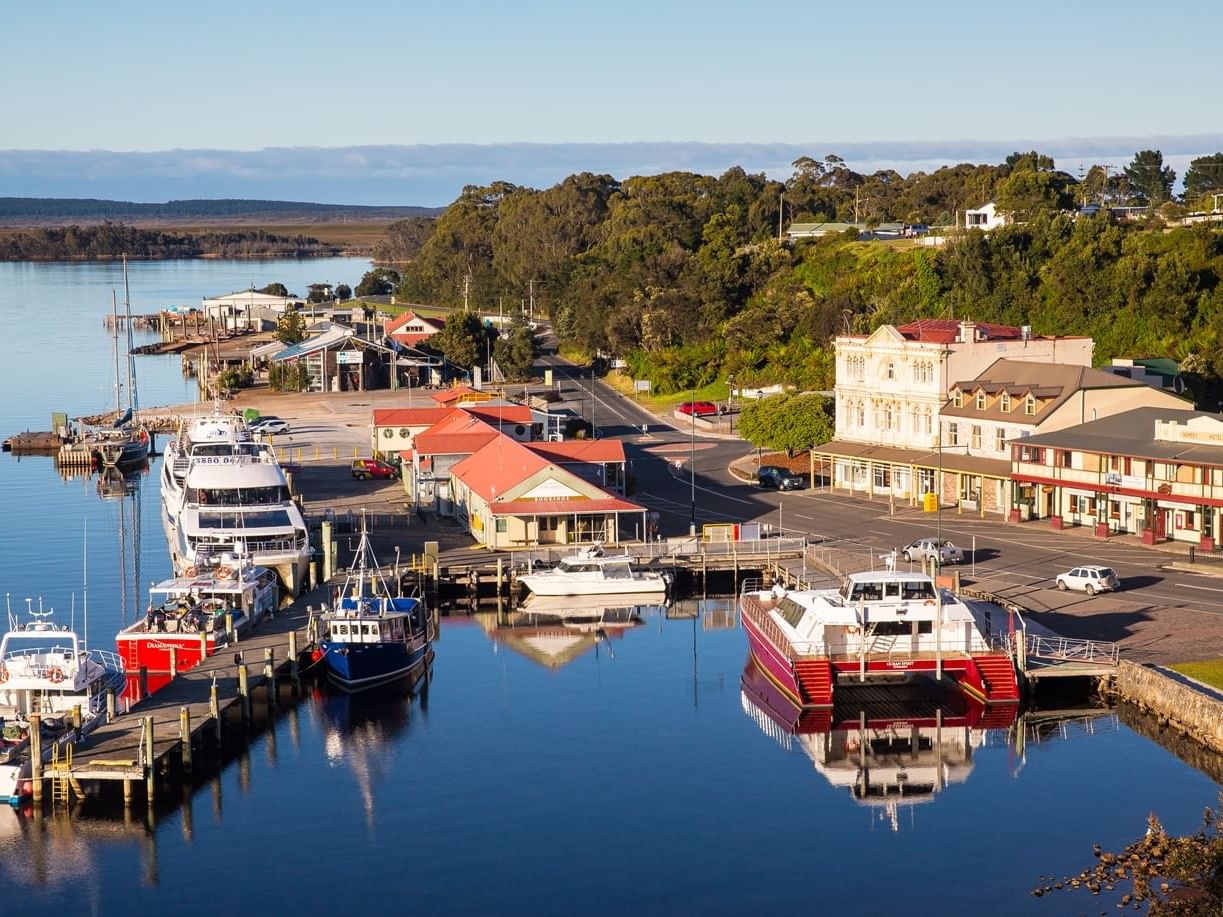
[538, 772]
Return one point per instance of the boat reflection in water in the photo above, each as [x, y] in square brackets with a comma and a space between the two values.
[555, 630]
[361, 730]
[888, 745]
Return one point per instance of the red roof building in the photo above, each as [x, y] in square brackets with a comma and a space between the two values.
[411, 329]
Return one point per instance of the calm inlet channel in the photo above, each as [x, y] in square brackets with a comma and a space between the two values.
[630, 768]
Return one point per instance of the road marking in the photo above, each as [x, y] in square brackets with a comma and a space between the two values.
[1206, 588]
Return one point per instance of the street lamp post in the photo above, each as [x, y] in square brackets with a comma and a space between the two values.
[692, 467]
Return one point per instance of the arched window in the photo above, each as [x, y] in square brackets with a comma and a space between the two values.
[980, 401]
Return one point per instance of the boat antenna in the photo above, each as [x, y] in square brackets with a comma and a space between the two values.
[84, 581]
[131, 363]
[114, 347]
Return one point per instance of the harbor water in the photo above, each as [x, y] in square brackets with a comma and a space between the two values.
[608, 768]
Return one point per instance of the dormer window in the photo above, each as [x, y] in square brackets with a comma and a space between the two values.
[957, 398]
[1029, 405]
[980, 401]
[1006, 403]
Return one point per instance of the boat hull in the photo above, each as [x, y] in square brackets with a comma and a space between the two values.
[359, 666]
[542, 584]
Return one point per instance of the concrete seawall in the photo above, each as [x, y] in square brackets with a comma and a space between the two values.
[1197, 713]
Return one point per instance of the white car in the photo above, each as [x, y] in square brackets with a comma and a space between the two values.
[1089, 579]
[944, 550]
[266, 426]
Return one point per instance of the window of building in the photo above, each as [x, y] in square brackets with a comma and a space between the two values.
[953, 434]
[980, 401]
[1031, 454]
[1061, 458]
[883, 476]
[957, 398]
[1029, 405]
[503, 524]
[1000, 440]
[1005, 403]
[929, 422]
[861, 414]
[890, 370]
[976, 437]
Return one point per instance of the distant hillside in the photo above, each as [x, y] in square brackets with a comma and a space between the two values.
[28, 211]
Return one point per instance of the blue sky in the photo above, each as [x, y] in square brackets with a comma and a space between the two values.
[226, 76]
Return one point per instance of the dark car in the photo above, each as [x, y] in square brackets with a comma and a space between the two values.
[699, 408]
[373, 468]
[781, 478]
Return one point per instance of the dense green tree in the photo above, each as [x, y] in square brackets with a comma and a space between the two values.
[789, 422]
[516, 349]
[404, 239]
[1204, 175]
[378, 282]
[343, 292]
[275, 289]
[1149, 178]
[291, 328]
[463, 339]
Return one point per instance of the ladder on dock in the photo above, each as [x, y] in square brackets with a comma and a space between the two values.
[61, 775]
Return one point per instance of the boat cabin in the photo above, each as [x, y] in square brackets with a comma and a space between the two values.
[598, 567]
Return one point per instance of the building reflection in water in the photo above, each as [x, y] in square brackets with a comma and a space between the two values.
[361, 730]
[888, 746]
[61, 849]
[555, 631]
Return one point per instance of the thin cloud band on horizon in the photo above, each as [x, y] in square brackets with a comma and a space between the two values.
[434, 174]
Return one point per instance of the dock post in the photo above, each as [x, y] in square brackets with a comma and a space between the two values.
[184, 735]
[76, 719]
[229, 625]
[127, 794]
[203, 647]
[313, 574]
[144, 682]
[150, 762]
[36, 756]
[214, 710]
[244, 692]
[269, 674]
[289, 483]
[328, 559]
[173, 662]
[110, 704]
[293, 656]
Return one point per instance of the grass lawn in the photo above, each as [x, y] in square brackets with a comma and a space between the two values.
[715, 391]
[1208, 671]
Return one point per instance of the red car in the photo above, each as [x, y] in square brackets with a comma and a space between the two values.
[373, 468]
[699, 408]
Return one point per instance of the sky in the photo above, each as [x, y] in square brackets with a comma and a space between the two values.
[639, 83]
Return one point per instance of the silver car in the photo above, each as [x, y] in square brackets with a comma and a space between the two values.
[932, 548]
[1089, 579]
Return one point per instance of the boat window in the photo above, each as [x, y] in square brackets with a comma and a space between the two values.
[371, 629]
[261, 519]
[891, 590]
[341, 629]
[617, 571]
[790, 611]
[867, 592]
[916, 590]
[892, 628]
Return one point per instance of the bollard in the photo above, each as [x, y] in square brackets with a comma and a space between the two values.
[173, 661]
[244, 692]
[36, 755]
[184, 735]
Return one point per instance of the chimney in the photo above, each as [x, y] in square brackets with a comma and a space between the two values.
[1025, 333]
[968, 332]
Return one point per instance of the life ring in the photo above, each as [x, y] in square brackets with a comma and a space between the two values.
[853, 629]
[3, 674]
[852, 744]
[929, 601]
[56, 675]
[224, 572]
[190, 571]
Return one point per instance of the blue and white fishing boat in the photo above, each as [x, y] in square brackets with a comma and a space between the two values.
[372, 636]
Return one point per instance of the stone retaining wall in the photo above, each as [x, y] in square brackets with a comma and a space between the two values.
[1193, 712]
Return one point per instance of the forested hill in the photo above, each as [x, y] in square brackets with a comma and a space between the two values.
[27, 211]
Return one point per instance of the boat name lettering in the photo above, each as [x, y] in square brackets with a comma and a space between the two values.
[222, 459]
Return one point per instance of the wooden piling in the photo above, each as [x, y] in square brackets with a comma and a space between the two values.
[244, 692]
[214, 710]
[229, 625]
[293, 673]
[184, 735]
[328, 557]
[173, 661]
[36, 756]
[76, 718]
[150, 761]
[203, 647]
[110, 704]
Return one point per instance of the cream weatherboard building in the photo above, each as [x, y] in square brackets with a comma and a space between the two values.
[890, 390]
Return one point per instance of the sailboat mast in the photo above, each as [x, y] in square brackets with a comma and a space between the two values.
[132, 401]
[114, 346]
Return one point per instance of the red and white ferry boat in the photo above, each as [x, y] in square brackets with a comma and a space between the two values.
[188, 614]
[879, 626]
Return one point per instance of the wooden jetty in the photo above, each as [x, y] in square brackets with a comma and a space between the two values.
[165, 728]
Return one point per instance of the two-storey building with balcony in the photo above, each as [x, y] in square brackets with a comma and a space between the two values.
[890, 388]
[1152, 471]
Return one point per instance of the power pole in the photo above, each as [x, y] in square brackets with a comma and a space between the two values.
[531, 294]
[781, 206]
[466, 288]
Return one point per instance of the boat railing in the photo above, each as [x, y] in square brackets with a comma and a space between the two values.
[109, 660]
